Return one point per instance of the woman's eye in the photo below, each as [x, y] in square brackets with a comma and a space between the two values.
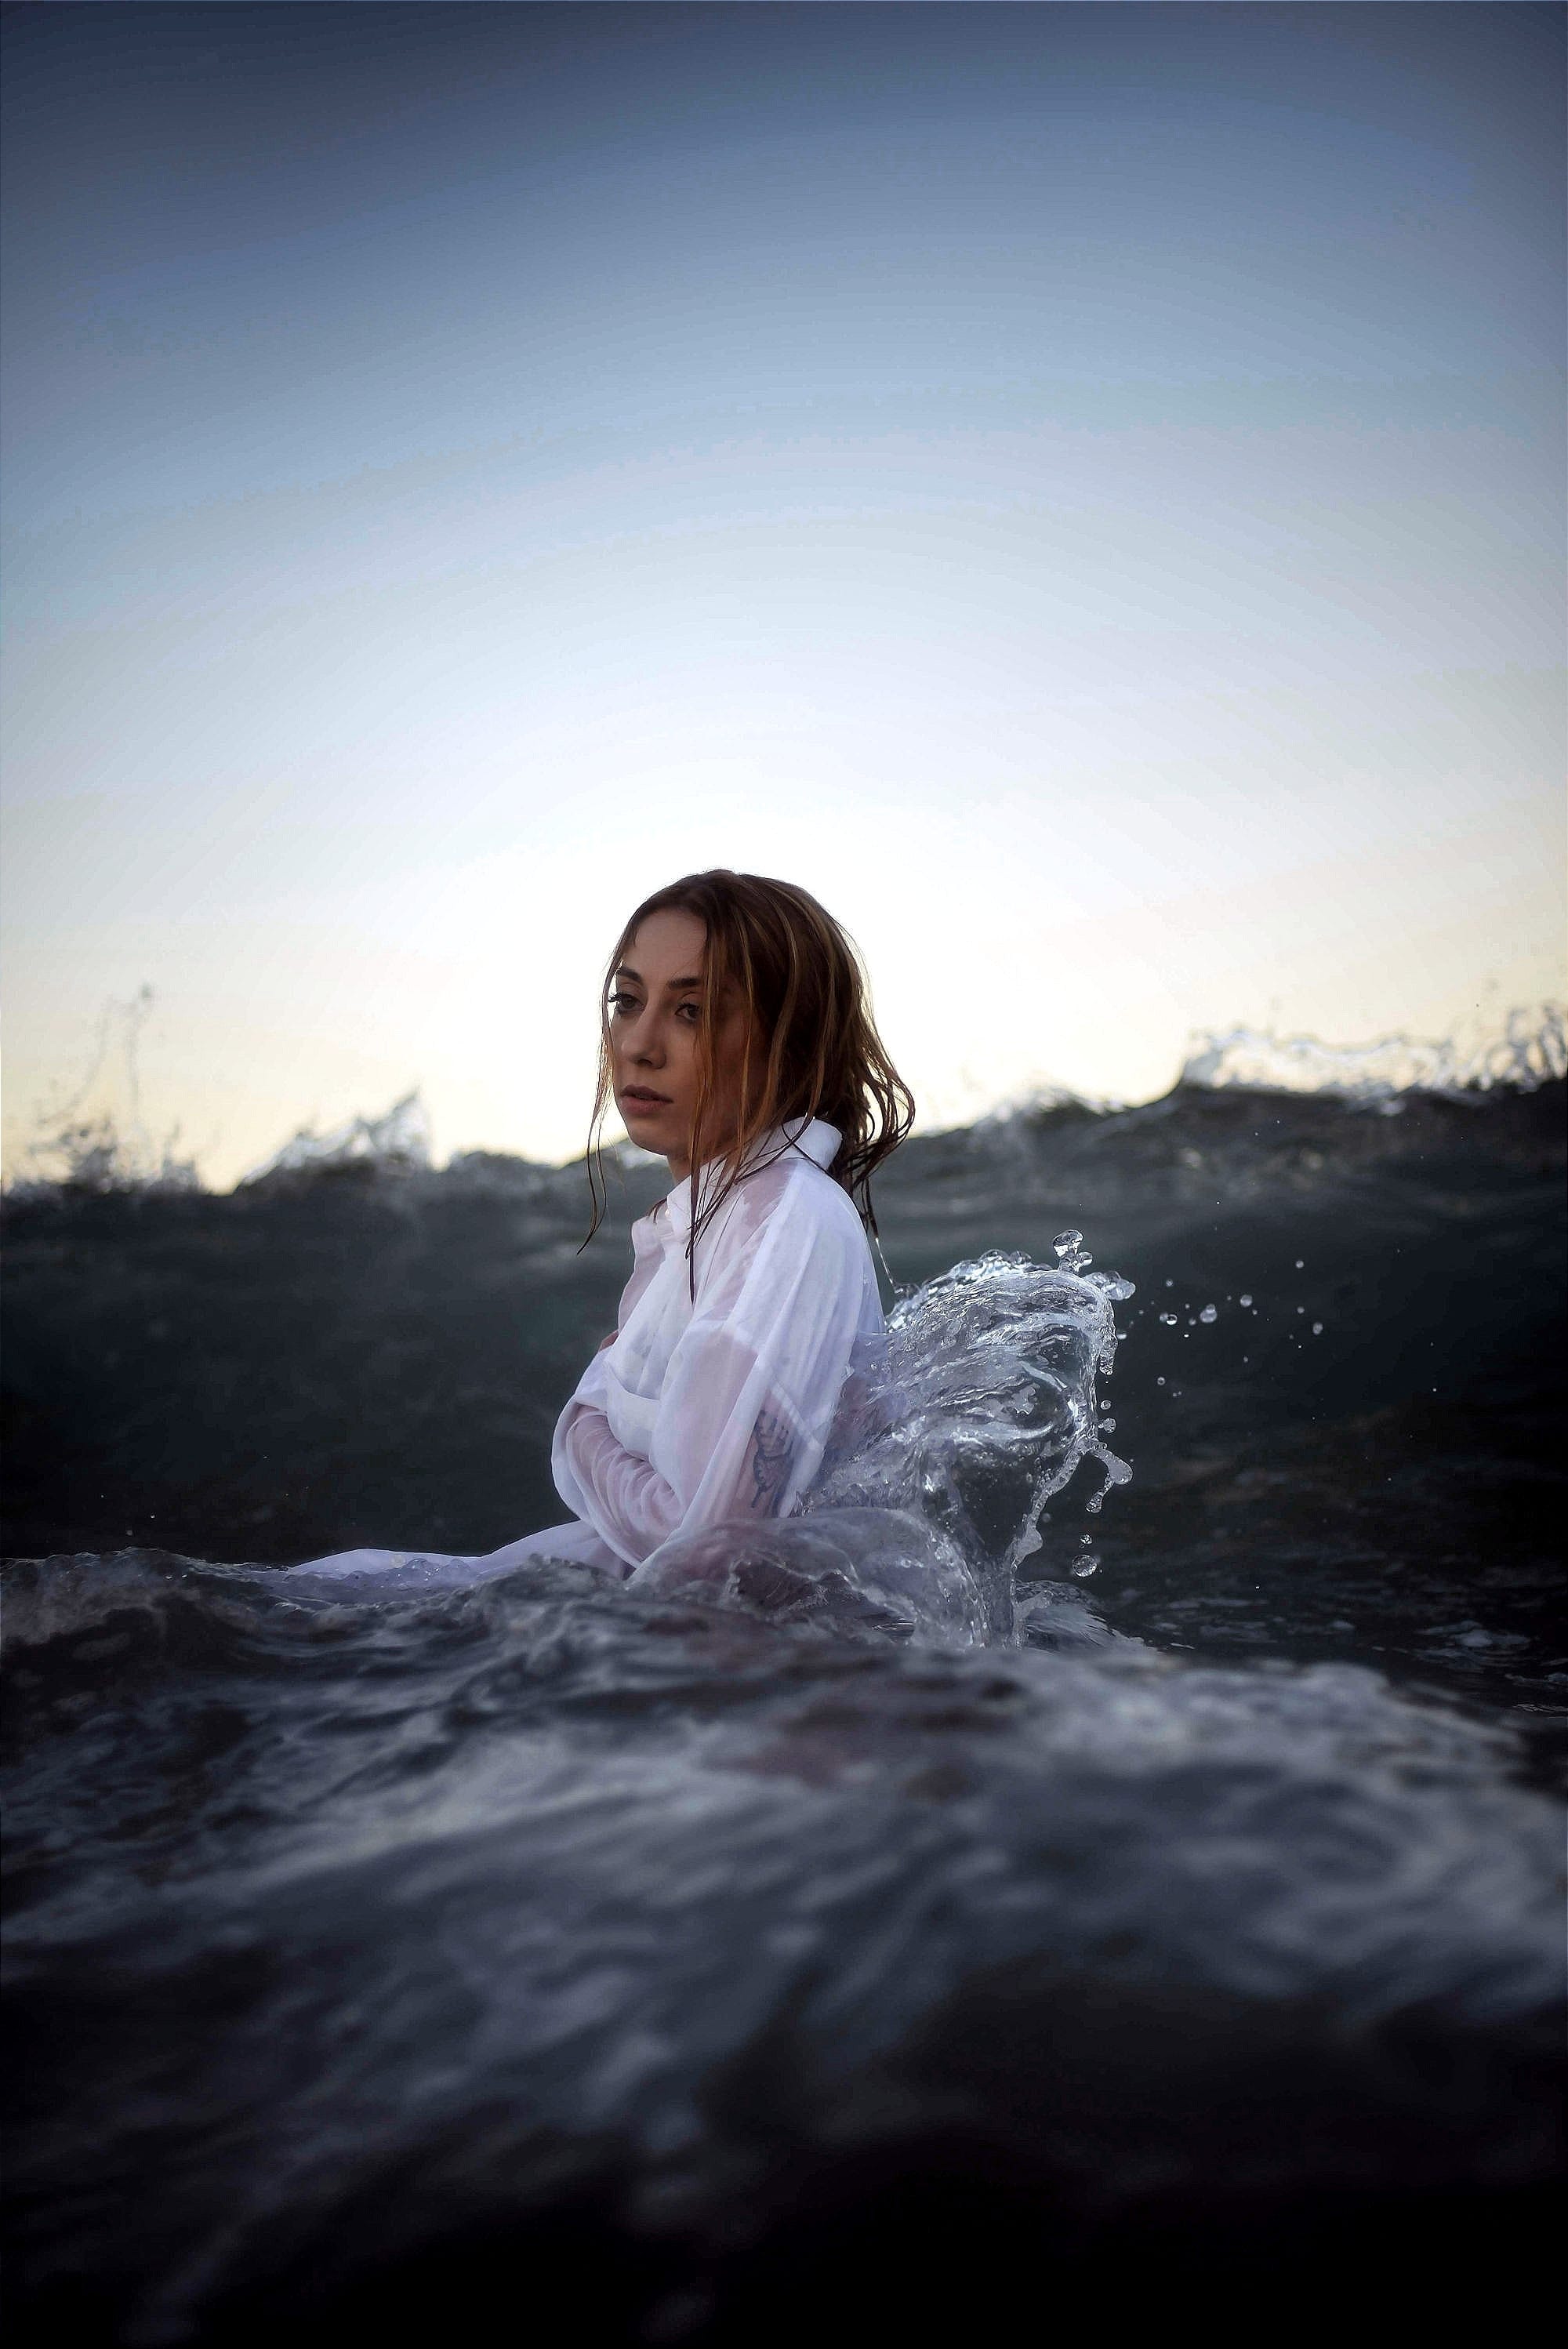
[624, 1005]
[694, 1010]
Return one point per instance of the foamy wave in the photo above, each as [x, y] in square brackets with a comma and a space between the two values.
[1037, 1099]
[1530, 1051]
[397, 1142]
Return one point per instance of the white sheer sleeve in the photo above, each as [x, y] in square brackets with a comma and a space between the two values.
[749, 1394]
[617, 1492]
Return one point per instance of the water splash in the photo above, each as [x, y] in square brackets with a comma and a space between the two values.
[935, 1484]
[397, 1142]
[1531, 1050]
[993, 1369]
[92, 1136]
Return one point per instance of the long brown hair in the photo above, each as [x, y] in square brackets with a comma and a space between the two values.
[805, 997]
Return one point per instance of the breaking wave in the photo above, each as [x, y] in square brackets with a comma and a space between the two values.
[1531, 1050]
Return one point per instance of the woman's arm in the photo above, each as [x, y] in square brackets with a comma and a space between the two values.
[634, 1508]
[617, 1492]
[747, 1401]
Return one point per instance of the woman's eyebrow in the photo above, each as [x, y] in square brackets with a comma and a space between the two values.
[671, 986]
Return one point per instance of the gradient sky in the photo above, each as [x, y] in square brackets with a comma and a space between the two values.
[1078, 487]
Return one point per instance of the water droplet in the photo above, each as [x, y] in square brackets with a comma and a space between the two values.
[1171, 1284]
[1085, 1539]
[1159, 1382]
[1210, 1313]
[1299, 1262]
[1091, 1508]
[1065, 1242]
[1084, 1567]
[1169, 1319]
[1301, 1308]
[1108, 1427]
[1245, 1300]
[1318, 1328]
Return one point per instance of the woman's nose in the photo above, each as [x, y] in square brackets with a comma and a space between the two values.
[642, 1044]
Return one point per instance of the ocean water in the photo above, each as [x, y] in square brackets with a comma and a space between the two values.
[1103, 1858]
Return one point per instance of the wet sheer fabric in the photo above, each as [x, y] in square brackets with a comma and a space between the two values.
[718, 1406]
[719, 1394]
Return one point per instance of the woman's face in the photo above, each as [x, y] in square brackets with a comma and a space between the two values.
[655, 1010]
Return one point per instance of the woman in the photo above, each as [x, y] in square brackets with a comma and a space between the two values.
[738, 1044]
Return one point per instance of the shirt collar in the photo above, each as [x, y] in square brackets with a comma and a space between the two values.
[813, 1137]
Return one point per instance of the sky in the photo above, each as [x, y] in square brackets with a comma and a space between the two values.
[1078, 487]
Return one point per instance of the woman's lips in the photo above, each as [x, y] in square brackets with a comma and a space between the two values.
[646, 1103]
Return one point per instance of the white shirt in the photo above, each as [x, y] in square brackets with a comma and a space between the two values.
[721, 1408]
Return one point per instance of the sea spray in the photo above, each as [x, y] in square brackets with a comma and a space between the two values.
[1529, 1051]
[935, 1484]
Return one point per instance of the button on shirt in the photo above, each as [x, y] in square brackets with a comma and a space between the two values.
[720, 1407]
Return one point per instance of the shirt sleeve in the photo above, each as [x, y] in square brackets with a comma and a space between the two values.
[749, 1397]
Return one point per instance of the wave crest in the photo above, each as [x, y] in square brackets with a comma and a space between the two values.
[1531, 1050]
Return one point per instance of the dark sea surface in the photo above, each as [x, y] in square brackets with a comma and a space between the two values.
[1177, 1930]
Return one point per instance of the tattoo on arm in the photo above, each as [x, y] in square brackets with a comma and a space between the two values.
[770, 1454]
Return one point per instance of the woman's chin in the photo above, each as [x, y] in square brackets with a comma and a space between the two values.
[654, 1132]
